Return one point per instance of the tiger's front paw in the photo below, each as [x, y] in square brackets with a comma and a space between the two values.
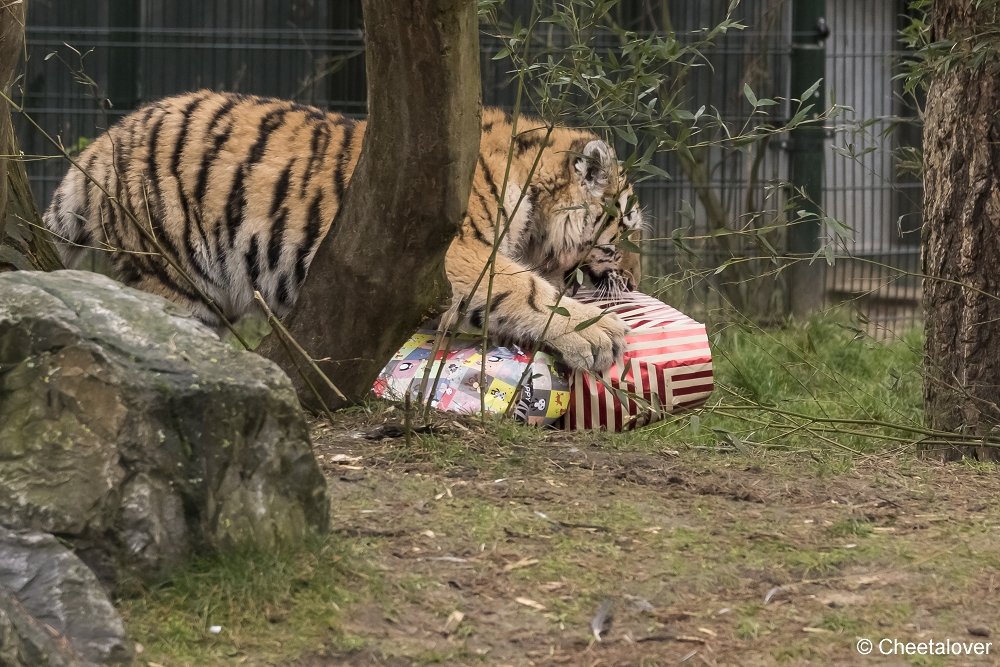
[596, 347]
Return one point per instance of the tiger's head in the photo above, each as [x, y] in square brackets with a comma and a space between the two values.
[577, 204]
[582, 207]
[611, 266]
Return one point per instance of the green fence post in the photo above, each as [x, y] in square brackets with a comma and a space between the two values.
[124, 17]
[807, 283]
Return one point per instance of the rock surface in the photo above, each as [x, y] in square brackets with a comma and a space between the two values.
[55, 606]
[130, 429]
[24, 642]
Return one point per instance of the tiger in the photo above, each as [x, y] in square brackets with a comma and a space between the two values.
[240, 190]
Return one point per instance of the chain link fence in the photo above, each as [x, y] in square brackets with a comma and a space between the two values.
[82, 52]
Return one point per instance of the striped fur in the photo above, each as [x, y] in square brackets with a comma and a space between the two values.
[241, 190]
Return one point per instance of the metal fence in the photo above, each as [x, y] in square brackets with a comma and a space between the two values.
[80, 51]
[312, 51]
[868, 192]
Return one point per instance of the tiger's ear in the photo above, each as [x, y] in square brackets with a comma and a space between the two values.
[594, 167]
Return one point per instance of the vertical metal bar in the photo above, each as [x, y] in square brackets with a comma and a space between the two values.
[842, 46]
[123, 71]
[808, 67]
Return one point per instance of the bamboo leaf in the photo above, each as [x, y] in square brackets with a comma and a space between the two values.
[588, 323]
[811, 90]
[653, 169]
[559, 310]
[628, 245]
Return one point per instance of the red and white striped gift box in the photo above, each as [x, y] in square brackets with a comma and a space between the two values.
[668, 363]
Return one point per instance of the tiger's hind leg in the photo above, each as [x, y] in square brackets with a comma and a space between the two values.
[66, 219]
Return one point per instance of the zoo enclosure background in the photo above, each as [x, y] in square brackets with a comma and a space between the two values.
[312, 51]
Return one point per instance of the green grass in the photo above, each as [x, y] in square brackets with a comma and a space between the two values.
[850, 528]
[826, 368]
[826, 363]
[275, 607]
[268, 604]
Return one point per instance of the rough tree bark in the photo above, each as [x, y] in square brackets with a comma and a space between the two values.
[961, 238]
[11, 41]
[380, 270]
[24, 243]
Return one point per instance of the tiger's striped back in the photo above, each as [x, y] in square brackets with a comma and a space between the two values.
[241, 190]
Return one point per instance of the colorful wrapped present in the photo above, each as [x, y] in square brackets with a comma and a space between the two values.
[667, 363]
[543, 400]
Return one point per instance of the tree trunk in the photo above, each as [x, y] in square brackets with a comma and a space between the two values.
[961, 239]
[24, 243]
[11, 42]
[380, 271]
[5, 149]
[28, 244]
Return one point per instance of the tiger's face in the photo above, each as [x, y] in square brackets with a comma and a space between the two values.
[614, 214]
[612, 267]
[581, 206]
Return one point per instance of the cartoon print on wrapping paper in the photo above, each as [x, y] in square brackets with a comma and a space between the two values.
[406, 369]
[456, 363]
[558, 403]
[524, 403]
[471, 381]
[452, 375]
[498, 395]
[443, 396]
[459, 387]
[498, 358]
[409, 346]
[473, 360]
[427, 344]
[538, 417]
[421, 352]
[389, 386]
[521, 356]
[555, 376]
[553, 367]
[464, 403]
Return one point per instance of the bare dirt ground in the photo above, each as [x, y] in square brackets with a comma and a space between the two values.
[699, 556]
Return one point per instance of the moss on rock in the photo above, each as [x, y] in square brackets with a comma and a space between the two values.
[129, 427]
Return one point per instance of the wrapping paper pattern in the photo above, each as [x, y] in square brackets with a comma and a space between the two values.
[544, 397]
[667, 362]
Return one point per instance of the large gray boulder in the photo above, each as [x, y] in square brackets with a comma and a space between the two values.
[130, 429]
[56, 610]
[26, 642]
